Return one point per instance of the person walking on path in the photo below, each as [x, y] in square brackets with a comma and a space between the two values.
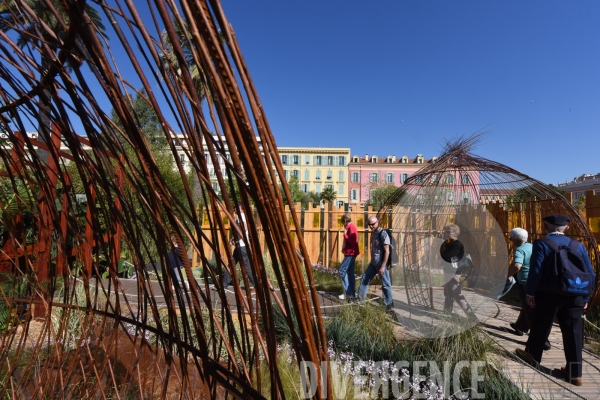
[452, 251]
[240, 256]
[350, 250]
[380, 251]
[520, 267]
[547, 299]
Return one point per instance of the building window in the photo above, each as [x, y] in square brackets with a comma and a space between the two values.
[373, 177]
[317, 160]
[328, 186]
[284, 160]
[355, 177]
[285, 173]
[450, 197]
[342, 161]
[211, 171]
[420, 179]
[404, 177]
[389, 178]
[305, 187]
[329, 174]
[340, 204]
[318, 174]
[465, 179]
[340, 189]
[329, 160]
[450, 179]
[306, 160]
[296, 160]
[307, 175]
[318, 188]
[354, 194]
[435, 179]
[466, 196]
[355, 159]
[404, 160]
[295, 173]
[182, 158]
[374, 160]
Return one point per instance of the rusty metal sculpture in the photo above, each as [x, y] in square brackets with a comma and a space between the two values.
[463, 189]
[66, 332]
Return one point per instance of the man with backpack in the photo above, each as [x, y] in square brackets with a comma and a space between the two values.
[380, 252]
[560, 282]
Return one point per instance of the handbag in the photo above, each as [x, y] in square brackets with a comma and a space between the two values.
[464, 265]
[505, 287]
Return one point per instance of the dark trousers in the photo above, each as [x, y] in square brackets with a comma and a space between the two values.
[452, 292]
[240, 255]
[525, 316]
[568, 310]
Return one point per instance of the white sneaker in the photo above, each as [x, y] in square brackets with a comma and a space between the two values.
[342, 297]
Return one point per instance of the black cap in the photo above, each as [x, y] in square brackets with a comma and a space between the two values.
[557, 219]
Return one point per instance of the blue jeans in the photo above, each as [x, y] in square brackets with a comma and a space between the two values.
[386, 284]
[347, 274]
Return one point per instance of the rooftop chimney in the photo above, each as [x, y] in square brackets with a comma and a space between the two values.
[366, 157]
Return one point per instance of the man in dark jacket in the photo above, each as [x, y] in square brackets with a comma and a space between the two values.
[547, 302]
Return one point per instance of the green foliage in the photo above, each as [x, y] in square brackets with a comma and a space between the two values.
[298, 196]
[146, 120]
[560, 191]
[18, 198]
[11, 286]
[580, 203]
[328, 195]
[11, 15]
[379, 196]
[171, 63]
[366, 333]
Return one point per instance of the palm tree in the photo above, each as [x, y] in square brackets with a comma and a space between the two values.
[170, 59]
[13, 16]
[328, 195]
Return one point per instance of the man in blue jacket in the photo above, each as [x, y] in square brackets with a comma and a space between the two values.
[549, 301]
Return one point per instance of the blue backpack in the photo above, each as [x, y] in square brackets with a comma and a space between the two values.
[565, 271]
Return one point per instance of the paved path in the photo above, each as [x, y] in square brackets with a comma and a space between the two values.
[495, 318]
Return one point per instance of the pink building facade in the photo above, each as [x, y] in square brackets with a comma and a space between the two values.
[369, 173]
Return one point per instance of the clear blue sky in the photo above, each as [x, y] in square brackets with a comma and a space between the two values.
[399, 76]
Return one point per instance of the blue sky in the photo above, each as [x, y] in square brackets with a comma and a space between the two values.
[402, 76]
[399, 77]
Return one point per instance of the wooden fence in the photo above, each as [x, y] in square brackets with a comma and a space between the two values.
[323, 230]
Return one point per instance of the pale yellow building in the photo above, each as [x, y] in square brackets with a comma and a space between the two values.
[318, 168]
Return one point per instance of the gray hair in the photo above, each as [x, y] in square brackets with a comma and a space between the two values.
[555, 228]
[519, 233]
[453, 230]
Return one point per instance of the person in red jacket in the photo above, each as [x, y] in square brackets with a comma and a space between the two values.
[350, 250]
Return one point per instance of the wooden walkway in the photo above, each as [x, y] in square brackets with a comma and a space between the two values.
[548, 382]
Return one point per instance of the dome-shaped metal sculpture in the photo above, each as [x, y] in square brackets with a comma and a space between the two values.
[461, 192]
